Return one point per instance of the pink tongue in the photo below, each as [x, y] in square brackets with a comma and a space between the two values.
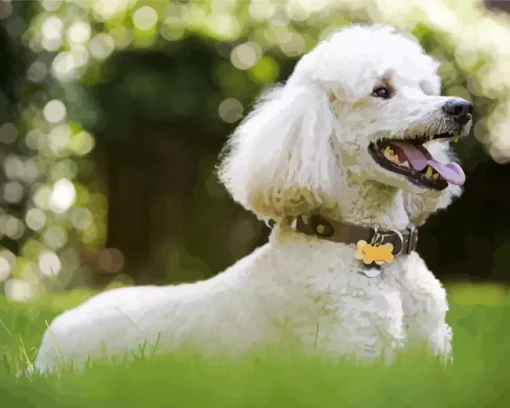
[451, 172]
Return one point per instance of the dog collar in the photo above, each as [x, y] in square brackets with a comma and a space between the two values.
[374, 245]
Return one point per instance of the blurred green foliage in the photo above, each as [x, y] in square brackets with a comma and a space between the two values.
[123, 106]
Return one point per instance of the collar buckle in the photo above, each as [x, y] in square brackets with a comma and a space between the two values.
[413, 239]
[405, 246]
[401, 240]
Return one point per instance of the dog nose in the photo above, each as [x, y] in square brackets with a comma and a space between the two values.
[459, 109]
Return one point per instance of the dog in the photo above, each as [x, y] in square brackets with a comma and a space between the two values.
[344, 161]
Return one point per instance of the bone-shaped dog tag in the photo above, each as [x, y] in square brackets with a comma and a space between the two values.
[368, 253]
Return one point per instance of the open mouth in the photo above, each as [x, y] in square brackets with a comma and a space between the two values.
[411, 159]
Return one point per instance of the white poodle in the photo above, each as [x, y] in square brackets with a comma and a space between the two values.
[342, 160]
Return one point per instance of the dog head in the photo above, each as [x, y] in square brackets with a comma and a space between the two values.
[363, 105]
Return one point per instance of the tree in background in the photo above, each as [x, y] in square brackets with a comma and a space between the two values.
[124, 106]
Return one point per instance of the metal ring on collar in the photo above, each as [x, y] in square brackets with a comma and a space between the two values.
[401, 238]
[377, 238]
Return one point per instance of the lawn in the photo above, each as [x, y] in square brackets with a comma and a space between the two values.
[480, 377]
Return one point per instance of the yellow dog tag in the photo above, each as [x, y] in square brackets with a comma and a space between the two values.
[380, 254]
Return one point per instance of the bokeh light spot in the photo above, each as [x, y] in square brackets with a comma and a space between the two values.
[62, 196]
[102, 46]
[230, 110]
[12, 227]
[79, 32]
[13, 192]
[13, 167]
[81, 143]
[37, 72]
[5, 269]
[145, 18]
[55, 237]
[64, 169]
[8, 133]
[42, 196]
[81, 218]
[30, 171]
[51, 5]
[121, 36]
[7, 264]
[111, 260]
[172, 28]
[49, 263]
[80, 55]
[35, 219]
[59, 138]
[64, 66]
[5, 12]
[266, 71]
[19, 290]
[261, 10]
[245, 55]
[35, 140]
[54, 111]
[51, 30]
[223, 26]
[292, 44]
[107, 9]
[296, 11]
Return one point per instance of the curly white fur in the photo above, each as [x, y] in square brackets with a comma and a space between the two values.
[303, 148]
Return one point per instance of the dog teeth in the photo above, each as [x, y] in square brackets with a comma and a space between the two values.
[390, 154]
[431, 174]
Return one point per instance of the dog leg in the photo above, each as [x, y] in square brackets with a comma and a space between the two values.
[368, 325]
[425, 307]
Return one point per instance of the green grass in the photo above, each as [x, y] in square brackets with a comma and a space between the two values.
[480, 377]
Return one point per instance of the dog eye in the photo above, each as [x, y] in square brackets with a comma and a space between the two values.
[381, 92]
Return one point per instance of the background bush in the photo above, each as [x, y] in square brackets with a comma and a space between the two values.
[112, 115]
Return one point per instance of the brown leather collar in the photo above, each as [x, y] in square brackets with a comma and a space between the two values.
[403, 241]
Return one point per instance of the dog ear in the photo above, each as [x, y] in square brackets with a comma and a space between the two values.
[279, 162]
[420, 207]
